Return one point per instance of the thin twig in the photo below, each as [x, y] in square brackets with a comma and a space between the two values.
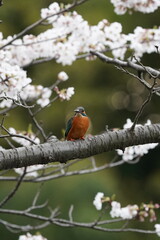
[147, 85]
[8, 109]
[14, 190]
[9, 143]
[37, 124]
[39, 61]
[64, 223]
[143, 106]
[14, 135]
[70, 213]
[95, 223]
[17, 102]
[10, 135]
[42, 108]
[37, 195]
[72, 173]
[146, 69]
[51, 175]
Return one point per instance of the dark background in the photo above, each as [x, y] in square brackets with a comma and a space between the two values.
[109, 97]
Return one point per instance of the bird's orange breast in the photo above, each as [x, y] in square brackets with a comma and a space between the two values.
[79, 127]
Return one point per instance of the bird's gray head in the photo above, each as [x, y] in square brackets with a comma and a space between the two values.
[79, 110]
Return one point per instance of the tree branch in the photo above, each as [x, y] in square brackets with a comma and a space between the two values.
[130, 64]
[62, 151]
[11, 194]
[41, 20]
[61, 172]
[65, 223]
[52, 219]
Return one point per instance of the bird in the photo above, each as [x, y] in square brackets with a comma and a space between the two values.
[77, 126]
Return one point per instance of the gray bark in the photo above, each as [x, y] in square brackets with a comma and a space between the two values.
[62, 151]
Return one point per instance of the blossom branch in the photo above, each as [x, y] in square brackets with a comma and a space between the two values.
[81, 56]
[40, 21]
[17, 102]
[129, 64]
[65, 223]
[123, 214]
[10, 135]
[63, 173]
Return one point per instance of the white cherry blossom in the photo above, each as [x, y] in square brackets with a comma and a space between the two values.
[69, 36]
[133, 152]
[98, 200]
[157, 228]
[62, 76]
[128, 212]
[51, 10]
[66, 94]
[145, 6]
[29, 236]
[22, 141]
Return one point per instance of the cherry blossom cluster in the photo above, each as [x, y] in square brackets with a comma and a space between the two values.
[29, 236]
[15, 86]
[145, 6]
[127, 212]
[134, 152]
[12, 80]
[130, 211]
[64, 94]
[144, 40]
[23, 138]
[31, 171]
[14, 83]
[70, 35]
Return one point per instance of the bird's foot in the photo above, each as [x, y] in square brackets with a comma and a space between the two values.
[82, 138]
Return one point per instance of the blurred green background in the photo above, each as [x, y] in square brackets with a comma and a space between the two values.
[109, 97]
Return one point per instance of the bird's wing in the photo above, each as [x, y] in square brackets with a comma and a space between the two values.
[68, 127]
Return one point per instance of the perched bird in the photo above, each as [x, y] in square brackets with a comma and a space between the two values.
[77, 125]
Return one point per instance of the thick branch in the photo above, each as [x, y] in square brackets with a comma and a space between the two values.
[62, 151]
